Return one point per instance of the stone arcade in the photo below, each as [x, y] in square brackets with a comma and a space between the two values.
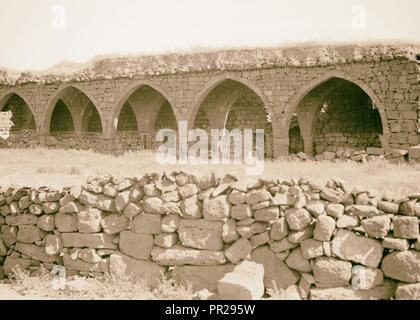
[306, 99]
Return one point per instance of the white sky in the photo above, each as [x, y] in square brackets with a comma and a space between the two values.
[94, 27]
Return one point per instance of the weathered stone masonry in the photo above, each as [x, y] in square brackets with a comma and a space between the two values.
[320, 241]
[372, 94]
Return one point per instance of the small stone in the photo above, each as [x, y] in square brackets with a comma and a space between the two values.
[389, 207]
[365, 278]
[191, 208]
[408, 207]
[237, 197]
[229, 233]
[348, 222]
[312, 249]
[315, 207]
[299, 236]
[405, 227]
[241, 211]
[282, 245]
[136, 245]
[347, 245]
[66, 222]
[377, 227]
[256, 196]
[259, 239]
[89, 255]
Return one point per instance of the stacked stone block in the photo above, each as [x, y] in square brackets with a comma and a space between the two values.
[323, 241]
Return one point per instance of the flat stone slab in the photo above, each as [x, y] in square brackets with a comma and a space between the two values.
[179, 255]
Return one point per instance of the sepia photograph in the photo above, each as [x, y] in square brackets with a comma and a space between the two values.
[201, 153]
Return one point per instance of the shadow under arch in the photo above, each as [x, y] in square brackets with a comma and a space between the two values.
[292, 106]
[5, 96]
[77, 118]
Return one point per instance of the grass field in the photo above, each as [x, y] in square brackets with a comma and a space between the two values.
[58, 168]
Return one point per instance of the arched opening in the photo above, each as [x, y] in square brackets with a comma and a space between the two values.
[232, 105]
[295, 138]
[338, 114]
[142, 114]
[23, 133]
[73, 121]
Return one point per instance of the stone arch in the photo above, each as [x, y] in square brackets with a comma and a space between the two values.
[78, 112]
[307, 123]
[208, 87]
[26, 111]
[128, 93]
[226, 106]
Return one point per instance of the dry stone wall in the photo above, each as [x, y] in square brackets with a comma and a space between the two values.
[319, 241]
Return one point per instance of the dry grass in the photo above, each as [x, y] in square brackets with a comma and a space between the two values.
[58, 168]
[117, 286]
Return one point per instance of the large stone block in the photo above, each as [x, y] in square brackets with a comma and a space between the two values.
[245, 282]
[403, 266]
[201, 234]
[21, 219]
[179, 255]
[324, 228]
[276, 272]
[136, 245]
[279, 229]
[347, 245]
[147, 271]
[201, 277]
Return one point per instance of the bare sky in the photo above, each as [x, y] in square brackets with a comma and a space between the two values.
[32, 39]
